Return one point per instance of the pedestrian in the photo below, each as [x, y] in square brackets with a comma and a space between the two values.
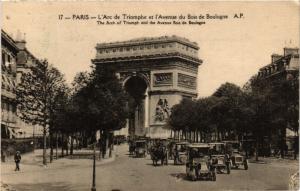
[2, 156]
[17, 160]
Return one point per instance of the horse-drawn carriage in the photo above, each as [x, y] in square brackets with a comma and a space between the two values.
[159, 152]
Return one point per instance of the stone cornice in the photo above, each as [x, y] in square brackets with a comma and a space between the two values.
[147, 41]
[149, 57]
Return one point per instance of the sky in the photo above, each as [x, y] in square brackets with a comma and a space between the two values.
[232, 50]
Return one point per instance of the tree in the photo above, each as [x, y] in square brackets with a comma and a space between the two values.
[60, 117]
[102, 102]
[181, 116]
[269, 111]
[227, 111]
[36, 96]
[204, 123]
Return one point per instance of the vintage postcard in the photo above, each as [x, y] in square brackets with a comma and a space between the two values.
[149, 96]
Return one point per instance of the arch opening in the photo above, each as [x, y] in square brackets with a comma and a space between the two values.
[136, 87]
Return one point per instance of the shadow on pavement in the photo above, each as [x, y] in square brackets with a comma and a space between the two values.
[180, 176]
[42, 187]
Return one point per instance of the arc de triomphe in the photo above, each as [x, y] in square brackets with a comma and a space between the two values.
[157, 73]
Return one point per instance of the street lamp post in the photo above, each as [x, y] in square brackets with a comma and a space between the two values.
[94, 170]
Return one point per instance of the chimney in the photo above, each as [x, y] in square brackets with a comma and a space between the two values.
[291, 51]
[20, 40]
[275, 57]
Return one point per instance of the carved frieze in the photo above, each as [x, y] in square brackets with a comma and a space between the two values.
[163, 79]
[186, 81]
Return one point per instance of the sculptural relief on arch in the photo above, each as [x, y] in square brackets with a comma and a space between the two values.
[157, 73]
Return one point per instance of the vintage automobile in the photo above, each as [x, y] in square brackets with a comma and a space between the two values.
[198, 164]
[159, 152]
[219, 159]
[140, 148]
[233, 148]
[119, 139]
[179, 154]
[131, 144]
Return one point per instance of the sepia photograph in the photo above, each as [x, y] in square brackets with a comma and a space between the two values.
[149, 95]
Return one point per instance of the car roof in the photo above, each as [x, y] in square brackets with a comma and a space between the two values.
[140, 141]
[217, 143]
[199, 145]
[231, 141]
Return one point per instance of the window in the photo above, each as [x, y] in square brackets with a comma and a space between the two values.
[14, 109]
[8, 58]
[3, 57]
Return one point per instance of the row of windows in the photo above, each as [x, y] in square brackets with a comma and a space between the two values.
[155, 46]
[123, 49]
[7, 58]
[8, 112]
[271, 69]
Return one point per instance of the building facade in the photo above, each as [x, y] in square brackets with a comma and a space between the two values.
[283, 67]
[9, 51]
[157, 73]
[16, 60]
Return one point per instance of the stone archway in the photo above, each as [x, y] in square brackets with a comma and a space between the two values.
[137, 89]
[157, 72]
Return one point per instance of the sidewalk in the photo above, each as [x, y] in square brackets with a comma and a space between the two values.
[264, 160]
[34, 161]
[32, 165]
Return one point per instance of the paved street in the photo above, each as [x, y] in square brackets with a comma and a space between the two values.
[135, 174]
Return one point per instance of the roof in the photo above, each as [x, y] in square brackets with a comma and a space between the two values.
[140, 141]
[231, 141]
[217, 143]
[199, 145]
[141, 49]
[149, 40]
[8, 38]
